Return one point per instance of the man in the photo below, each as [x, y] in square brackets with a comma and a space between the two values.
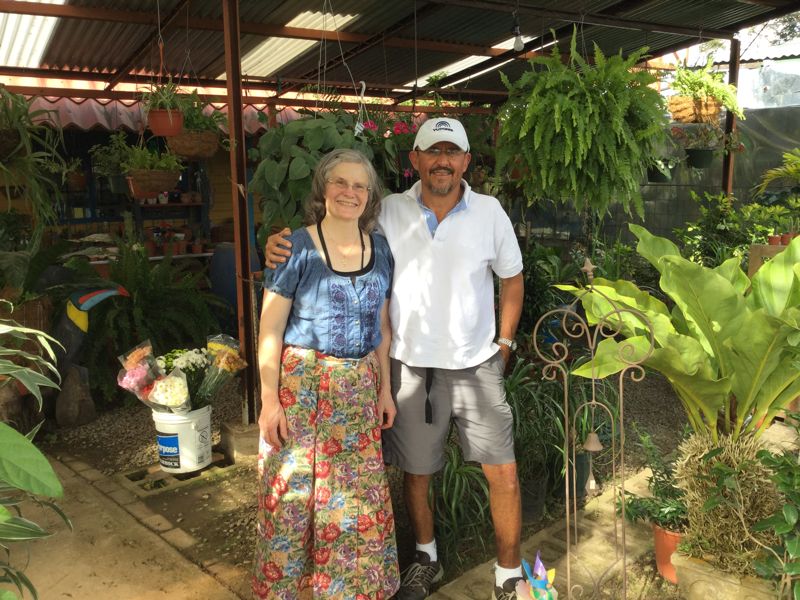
[446, 362]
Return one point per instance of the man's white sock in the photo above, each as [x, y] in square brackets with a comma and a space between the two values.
[429, 549]
[501, 574]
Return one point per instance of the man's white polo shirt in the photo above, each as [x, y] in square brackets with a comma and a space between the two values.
[442, 305]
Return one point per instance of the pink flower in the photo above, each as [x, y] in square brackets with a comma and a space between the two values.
[400, 127]
[408, 172]
[372, 125]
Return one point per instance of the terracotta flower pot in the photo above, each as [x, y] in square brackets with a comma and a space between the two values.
[786, 238]
[666, 542]
[197, 247]
[774, 240]
[165, 122]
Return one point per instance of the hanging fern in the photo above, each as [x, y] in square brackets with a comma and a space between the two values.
[580, 132]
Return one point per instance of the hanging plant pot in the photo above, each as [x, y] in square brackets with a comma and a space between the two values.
[194, 145]
[11, 185]
[165, 122]
[76, 182]
[145, 183]
[685, 109]
[9, 140]
[699, 158]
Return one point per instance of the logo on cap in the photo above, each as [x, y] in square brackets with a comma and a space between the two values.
[442, 125]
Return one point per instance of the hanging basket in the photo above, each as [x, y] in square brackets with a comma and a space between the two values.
[9, 140]
[11, 185]
[118, 184]
[194, 145]
[165, 122]
[150, 183]
[685, 109]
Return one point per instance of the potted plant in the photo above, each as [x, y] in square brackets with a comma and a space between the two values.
[728, 347]
[108, 160]
[699, 93]
[29, 155]
[570, 141]
[164, 107]
[700, 141]
[75, 175]
[664, 509]
[788, 173]
[200, 136]
[151, 172]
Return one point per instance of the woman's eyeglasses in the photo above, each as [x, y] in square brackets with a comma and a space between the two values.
[343, 185]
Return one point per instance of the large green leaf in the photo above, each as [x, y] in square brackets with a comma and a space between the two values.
[732, 271]
[298, 169]
[652, 247]
[612, 357]
[709, 303]
[24, 466]
[776, 284]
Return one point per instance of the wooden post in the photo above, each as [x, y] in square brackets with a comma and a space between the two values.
[241, 225]
[730, 118]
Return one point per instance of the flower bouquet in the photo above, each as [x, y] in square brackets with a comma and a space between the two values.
[225, 362]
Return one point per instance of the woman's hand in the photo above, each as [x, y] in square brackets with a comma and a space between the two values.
[272, 423]
[386, 408]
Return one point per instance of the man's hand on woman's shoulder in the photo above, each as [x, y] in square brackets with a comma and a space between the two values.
[278, 248]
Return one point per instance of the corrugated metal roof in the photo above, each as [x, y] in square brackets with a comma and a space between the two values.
[106, 46]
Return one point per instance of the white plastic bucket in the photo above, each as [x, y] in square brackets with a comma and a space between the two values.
[184, 441]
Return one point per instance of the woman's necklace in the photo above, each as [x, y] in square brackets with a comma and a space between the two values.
[345, 252]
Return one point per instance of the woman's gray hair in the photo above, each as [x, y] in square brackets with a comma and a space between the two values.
[315, 203]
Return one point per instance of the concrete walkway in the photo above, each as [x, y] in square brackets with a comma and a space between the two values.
[114, 552]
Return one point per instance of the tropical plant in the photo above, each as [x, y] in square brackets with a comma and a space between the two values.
[164, 306]
[25, 474]
[788, 173]
[144, 157]
[31, 158]
[729, 345]
[108, 159]
[698, 136]
[703, 83]
[665, 506]
[582, 132]
[288, 154]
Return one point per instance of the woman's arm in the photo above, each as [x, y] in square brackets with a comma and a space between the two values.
[274, 315]
[386, 407]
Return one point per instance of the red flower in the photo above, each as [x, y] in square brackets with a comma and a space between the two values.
[363, 441]
[389, 528]
[371, 125]
[325, 409]
[310, 454]
[331, 532]
[362, 597]
[323, 495]
[321, 580]
[324, 382]
[286, 397]
[261, 589]
[380, 516]
[271, 502]
[376, 434]
[400, 127]
[272, 572]
[365, 523]
[279, 485]
[312, 417]
[322, 469]
[322, 555]
[331, 447]
[269, 529]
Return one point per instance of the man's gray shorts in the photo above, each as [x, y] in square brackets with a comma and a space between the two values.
[474, 398]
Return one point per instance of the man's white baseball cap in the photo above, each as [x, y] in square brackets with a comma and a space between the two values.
[434, 131]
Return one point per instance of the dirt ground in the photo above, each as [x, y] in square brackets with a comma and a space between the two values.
[220, 512]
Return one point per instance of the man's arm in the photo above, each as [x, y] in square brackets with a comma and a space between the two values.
[512, 293]
[277, 249]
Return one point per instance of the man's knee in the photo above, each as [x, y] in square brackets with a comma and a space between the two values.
[502, 478]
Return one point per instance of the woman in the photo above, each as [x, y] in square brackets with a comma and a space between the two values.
[325, 524]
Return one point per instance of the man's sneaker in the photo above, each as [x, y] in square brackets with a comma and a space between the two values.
[508, 591]
[416, 580]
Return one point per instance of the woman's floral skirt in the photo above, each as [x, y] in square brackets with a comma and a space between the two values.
[325, 522]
